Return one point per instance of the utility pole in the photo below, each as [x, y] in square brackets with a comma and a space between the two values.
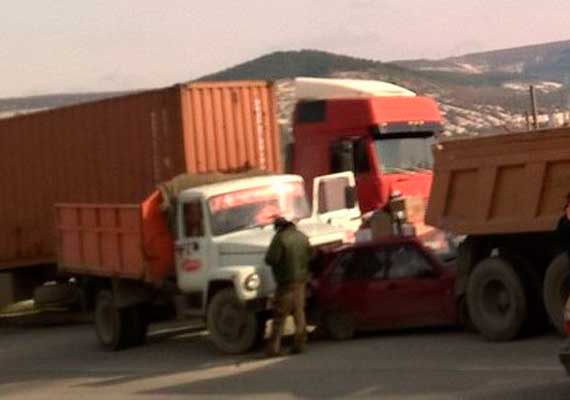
[527, 119]
[533, 107]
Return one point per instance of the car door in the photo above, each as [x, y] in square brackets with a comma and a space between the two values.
[344, 288]
[414, 292]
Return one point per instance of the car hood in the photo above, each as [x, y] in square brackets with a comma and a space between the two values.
[410, 184]
[257, 240]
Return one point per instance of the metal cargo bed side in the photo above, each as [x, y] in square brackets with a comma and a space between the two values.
[502, 184]
[101, 240]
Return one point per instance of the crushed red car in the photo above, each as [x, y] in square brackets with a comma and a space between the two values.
[388, 284]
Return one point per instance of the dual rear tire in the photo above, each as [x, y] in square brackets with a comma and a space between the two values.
[496, 299]
[505, 297]
[119, 328]
[557, 290]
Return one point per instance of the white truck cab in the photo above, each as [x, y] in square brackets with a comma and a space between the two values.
[223, 232]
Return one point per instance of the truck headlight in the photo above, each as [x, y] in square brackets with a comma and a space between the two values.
[253, 281]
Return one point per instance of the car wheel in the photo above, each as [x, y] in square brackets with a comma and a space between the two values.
[339, 325]
[464, 320]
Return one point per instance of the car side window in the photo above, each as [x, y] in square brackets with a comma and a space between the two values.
[407, 261]
[362, 265]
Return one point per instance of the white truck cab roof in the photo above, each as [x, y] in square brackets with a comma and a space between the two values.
[325, 88]
[215, 189]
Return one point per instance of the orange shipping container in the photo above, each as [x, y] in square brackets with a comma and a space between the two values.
[117, 151]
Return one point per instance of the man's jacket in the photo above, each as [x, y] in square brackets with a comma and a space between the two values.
[289, 255]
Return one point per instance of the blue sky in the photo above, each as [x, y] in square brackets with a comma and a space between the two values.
[95, 45]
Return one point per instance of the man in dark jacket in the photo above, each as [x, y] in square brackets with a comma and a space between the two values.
[288, 255]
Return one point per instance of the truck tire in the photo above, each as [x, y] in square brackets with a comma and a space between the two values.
[137, 320]
[118, 328]
[496, 299]
[536, 320]
[556, 290]
[232, 327]
[59, 294]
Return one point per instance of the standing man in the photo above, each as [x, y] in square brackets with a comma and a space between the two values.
[288, 255]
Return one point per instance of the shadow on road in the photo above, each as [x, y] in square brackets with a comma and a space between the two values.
[431, 363]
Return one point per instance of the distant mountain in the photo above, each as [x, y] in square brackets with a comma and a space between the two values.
[549, 61]
[16, 105]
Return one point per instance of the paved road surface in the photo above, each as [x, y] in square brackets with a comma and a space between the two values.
[64, 362]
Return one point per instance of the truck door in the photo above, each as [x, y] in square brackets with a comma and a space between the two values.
[334, 200]
[192, 246]
[353, 154]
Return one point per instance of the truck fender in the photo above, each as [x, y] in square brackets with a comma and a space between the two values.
[239, 274]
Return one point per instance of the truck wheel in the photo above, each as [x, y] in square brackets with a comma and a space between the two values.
[556, 290]
[339, 325]
[59, 294]
[117, 328]
[233, 328]
[496, 299]
[137, 319]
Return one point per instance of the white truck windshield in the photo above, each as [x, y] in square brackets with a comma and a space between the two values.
[258, 206]
[397, 154]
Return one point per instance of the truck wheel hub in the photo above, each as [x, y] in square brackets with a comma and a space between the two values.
[231, 321]
[497, 300]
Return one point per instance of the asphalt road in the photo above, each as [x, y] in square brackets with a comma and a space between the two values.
[65, 362]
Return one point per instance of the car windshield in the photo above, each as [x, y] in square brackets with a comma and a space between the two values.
[258, 206]
[401, 153]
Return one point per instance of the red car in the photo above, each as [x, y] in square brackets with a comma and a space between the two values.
[388, 284]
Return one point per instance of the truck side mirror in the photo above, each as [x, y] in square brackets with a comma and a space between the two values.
[350, 196]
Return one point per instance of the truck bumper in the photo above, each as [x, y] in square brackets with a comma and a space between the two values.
[259, 304]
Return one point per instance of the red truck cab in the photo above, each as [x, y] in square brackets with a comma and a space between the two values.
[385, 140]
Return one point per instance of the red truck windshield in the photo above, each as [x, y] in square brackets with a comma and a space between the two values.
[404, 153]
[258, 206]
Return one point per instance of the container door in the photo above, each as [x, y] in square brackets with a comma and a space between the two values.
[192, 246]
[334, 200]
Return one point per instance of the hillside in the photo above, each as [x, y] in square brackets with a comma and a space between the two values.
[478, 92]
[314, 63]
[17, 105]
[549, 61]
